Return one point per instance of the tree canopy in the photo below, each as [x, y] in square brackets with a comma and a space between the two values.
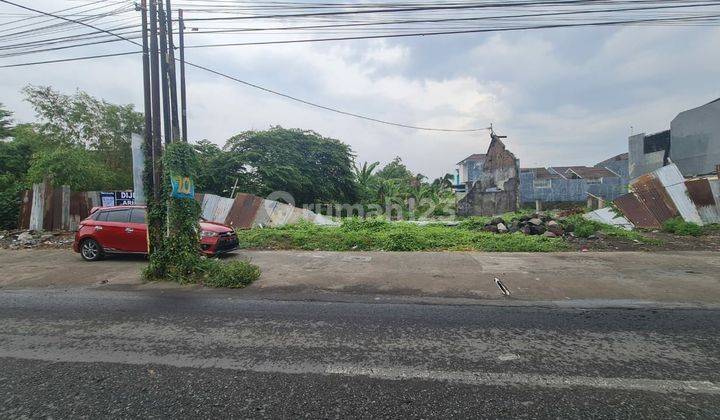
[80, 120]
[303, 163]
[5, 122]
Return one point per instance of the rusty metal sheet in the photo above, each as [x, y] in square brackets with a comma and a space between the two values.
[674, 183]
[243, 212]
[650, 191]
[700, 192]
[25, 209]
[80, 205]
[52, 218]
[636, 212]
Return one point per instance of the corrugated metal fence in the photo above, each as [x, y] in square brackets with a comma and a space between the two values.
[664, 193]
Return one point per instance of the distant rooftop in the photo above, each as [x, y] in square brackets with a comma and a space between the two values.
[474, 156]
[593, 173]
[540, 173]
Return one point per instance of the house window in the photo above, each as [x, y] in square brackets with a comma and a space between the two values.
[542, 183]
[593, 180]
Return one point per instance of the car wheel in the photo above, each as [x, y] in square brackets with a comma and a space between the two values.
[91, 250]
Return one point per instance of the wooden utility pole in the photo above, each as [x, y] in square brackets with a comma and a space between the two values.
[172, 75]
[183, 94]
[148, 147]
[155, 98]
[155, 225]
[167, 118]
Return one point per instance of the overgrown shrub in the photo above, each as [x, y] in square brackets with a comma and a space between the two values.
[178, 258]
[473, 223]
[679, 226]
[231, 274]
[371, 223]
[393, 237]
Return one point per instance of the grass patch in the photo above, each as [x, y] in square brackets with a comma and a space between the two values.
[585, 228]
[380, 235]
[678, 226]
[231, 274]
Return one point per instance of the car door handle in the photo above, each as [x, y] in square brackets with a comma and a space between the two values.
[98, 227]
[129, 230]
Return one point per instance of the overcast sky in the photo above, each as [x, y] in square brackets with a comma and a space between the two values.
[562, 96]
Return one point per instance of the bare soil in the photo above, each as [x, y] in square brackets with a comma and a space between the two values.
[663, 242]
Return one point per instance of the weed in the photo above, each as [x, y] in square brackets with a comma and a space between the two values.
[231, 274]
[679, 226]
[585, 228]
[401, 236]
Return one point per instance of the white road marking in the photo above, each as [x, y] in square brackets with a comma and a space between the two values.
[86, 355]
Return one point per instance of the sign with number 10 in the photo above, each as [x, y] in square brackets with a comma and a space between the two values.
[182, 187]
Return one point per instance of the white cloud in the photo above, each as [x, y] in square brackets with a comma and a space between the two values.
[559, 100]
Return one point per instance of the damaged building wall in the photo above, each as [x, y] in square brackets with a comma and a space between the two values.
[497, 189]
[648, 152]
[695, 140]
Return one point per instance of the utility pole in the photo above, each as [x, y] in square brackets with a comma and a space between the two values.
[155, 225]
[155, 97]
[148, 149]
[172, 74]
[183, 94]
[167, 118]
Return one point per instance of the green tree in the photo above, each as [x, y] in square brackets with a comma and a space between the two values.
[219, 170]
[396, 170]
[70, 165]
[366, 181]
[15, 157]
[94, 124]
[5, 122]
[303, 163]
[444, 183]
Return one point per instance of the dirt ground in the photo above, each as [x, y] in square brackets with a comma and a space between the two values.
[667, 242]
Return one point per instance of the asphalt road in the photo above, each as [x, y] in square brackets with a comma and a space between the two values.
[129, 353]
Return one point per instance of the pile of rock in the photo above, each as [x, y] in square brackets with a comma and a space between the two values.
[35, 239]
[535, 224]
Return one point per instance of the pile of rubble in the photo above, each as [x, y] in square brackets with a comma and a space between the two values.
[535, 224]
[34, 239]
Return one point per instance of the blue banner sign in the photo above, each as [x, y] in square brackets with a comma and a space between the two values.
[182, 187]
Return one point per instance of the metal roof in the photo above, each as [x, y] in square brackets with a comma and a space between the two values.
[474, 156]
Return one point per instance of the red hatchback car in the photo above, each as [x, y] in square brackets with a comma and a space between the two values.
[123, 230]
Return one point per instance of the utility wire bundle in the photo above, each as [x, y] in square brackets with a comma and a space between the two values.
[95, 25]
[242, 23]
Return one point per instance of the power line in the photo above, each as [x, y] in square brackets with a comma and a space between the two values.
[467, 19]
[64, 60]
[457, 32]
[264, 89]
[395, 10]
[327, 108]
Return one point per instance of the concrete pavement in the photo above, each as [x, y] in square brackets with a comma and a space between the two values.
[666, 277]
[176, 353]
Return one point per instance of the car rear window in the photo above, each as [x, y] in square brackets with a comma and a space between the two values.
[102, 216]
[137, 216]
[120, 216]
